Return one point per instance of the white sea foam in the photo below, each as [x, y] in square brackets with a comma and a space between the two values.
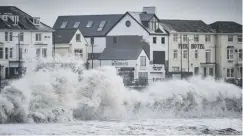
[58, 93]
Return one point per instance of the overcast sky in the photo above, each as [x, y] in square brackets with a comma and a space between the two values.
[207, 10]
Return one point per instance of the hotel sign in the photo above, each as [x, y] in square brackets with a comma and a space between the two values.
[193, 46]
[119, 63]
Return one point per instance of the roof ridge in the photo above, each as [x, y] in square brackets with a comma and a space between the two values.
[91, 15]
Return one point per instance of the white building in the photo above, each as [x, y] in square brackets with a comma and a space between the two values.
[199, 58]
[16, 27]
[146, 24]
[229, 49]
[70, 42]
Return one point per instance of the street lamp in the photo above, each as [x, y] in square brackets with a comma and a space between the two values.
[19, 61]
[1, 77]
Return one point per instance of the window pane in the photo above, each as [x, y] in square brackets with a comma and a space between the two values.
[89, 24]
[6, 53]
[76, 24]
[143, 61]
[6, 36]
[64, 24]
[154, 39]
[78, 37]
[1, 53]
[162, 40]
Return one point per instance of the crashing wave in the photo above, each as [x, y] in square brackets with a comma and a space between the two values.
[60, 94]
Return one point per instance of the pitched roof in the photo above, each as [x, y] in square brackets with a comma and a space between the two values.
[187, 25]
[24, 20]
[111, 20]
[226, 27]
[120, 54]
[64, 35]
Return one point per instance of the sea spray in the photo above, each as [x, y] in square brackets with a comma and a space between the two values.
[64, 91]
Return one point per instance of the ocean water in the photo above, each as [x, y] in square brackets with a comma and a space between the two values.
[53, 98]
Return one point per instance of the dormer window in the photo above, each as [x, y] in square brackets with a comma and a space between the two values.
[89, 24]
[36, 21]
[64, 24]
[16, 19]
[5, 17]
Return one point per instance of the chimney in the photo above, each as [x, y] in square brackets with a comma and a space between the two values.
[150, 10]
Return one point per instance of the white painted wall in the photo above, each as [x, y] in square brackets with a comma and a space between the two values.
[222, 43]
[99, 44]
[193, 62]
[28, 45]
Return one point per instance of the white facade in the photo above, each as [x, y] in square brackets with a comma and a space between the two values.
[138, 68]
[136, 29]
[75, 48]
[229, 55]
[201, 59]
[34, 44]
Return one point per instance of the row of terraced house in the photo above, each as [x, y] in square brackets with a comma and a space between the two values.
[138, 44]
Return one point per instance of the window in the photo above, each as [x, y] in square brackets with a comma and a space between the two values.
[175, 54]
[211, 71]
[196, 54]
[185, 54]
[21, 36]
[175, 37]
[78, 38]
[6, 36]
[5, 17]
[162, 40]
[6, 53]
[240, 54]
[38, 37]
[128, 23]
[230, 53]
[230, 72]
[154, 40]
[44, 52]
[64, 24]
[142, 61]
[92, 40]
[114, 39]
[16, 19]
[143, 75]
[230, 38]
[90, 23]
[175, 69]
[38, 52]
[36, 21]
[207, 38]
[184, 38]
[78, 53]
[10, 53]
[10, 36]
[196, 38]
[208, 56]
[239, 38]
[76, 24]
[1, 53]
[101, 26]
[196, 70]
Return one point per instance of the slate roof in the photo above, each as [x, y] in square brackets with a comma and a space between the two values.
[226, 27]
[24, 20]
[187, 25]
[111, 20]
[64, 35]
[120, 54]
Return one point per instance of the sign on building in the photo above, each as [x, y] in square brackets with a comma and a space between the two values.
[119, 63]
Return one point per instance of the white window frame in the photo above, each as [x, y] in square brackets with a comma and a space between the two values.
[185, 54]
[196, 38]
[38, 37]
[142, 61]
[239, 37]
[230, 53]
[10, 36]
[21, 36]
[44, 52]
[76, 24]
[230, 72]
[185, 38]
[240, 54]
[175, 37]
[89, 24]
[64, 24]
[196, 54]
[78, 53]
[16, 19]
[230, 37]
[175, 54]
[207, 38]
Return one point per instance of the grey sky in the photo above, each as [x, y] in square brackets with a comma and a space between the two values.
[207, 10]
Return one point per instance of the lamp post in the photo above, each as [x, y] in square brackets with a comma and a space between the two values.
[19, 58]
[181, 55]
[1, 77]
[92, 50]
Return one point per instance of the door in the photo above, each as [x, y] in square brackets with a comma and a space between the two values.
[196, 70]
[211, 71]
[204, 72]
